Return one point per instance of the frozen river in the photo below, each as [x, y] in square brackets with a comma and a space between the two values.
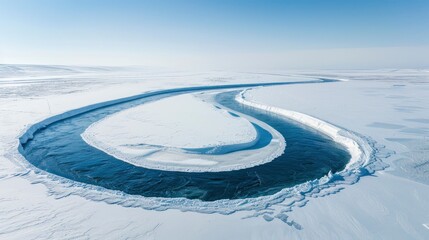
[387, 109]
[309, 155]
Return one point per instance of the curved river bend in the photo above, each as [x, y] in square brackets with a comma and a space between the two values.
[59, 149]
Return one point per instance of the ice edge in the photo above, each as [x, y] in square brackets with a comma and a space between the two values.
[360, 151]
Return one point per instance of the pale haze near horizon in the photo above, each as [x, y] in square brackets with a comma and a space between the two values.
[217, 34]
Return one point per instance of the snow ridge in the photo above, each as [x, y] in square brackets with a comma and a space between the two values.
[360, 153]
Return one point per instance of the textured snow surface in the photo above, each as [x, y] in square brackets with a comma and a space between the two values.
[389, 106]
[392, 109]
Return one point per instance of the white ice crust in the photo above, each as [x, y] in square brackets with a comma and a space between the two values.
[182, 133]
[358, 156]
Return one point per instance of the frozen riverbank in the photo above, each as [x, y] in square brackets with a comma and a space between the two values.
[358, 148]
[390, 107]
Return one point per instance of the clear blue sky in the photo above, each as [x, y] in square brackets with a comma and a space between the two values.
[217, 34]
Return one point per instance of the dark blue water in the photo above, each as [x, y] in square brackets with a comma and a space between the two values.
[59, 149]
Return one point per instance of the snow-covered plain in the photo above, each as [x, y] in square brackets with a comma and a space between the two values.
[391, 108]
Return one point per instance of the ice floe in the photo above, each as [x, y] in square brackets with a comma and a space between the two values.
[183, 133]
